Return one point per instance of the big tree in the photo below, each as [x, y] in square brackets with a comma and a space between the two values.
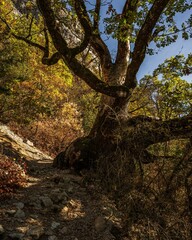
[140, 26]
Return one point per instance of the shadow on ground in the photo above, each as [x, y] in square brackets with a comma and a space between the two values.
[57, 204]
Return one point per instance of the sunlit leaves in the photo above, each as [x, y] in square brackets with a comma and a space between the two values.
[177, 65]
[165, 94]
[171, 24]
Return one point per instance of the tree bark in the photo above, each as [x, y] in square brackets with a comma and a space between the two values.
[114, 137]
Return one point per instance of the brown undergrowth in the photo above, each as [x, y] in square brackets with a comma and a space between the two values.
[156, 198]
[12, 175]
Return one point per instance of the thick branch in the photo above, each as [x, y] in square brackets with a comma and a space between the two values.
[96, 41]
[96, 84]
[143, 39]
[97, 15]
[151, 131]
[46, 60]
[52, 26]
[52, 60]
[68, 54]
[125, 31]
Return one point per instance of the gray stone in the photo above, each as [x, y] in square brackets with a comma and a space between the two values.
[35, 232]
[52, 237]
[2, 230]
[46, 202]
[100, 224]
[16, 236]
[56, 191]
[27, 238]
[64, 230]
[66, 180]
[35, 202]
[11, 212]
[54, 225]
[19, 205]
[58, 197]
[49, 232]
[38, 206]
[70, 189]
[19, 214]
[34, 216]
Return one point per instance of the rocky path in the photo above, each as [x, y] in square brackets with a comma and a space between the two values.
[58, 205]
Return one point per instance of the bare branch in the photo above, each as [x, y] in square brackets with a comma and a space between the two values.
[21, 37]
[30, 27]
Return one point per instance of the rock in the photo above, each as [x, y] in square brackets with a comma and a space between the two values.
[100, 224]
[27, 238]
[16, 236]
[11, 212]
[66, 180]
[23, 229]
[56, 208]
[58, 197]
[70, 189]
[29, 143]
[35, 202]
[19, 205]
[54, 225]
[46, 202]
[64, 212]
[64, 230]
[2, 230]
[56, 191]
[52, 237]
[37, 205]
[35, 232]
[19, 214]
[49, 232]
[33, 217]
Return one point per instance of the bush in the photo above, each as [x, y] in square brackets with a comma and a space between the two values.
[12, 175]
[52, 134]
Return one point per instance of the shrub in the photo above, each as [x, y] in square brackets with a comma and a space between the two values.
[12, 175]
[52, 134]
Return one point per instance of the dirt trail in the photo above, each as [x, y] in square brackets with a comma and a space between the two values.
[55, 204]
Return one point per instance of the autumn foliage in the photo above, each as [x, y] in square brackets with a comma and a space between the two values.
[12, 175]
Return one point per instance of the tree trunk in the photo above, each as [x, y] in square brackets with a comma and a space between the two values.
[121, 142]
[105, 148]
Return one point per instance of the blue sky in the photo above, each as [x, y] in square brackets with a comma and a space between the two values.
[180, 47]
[151, 62]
